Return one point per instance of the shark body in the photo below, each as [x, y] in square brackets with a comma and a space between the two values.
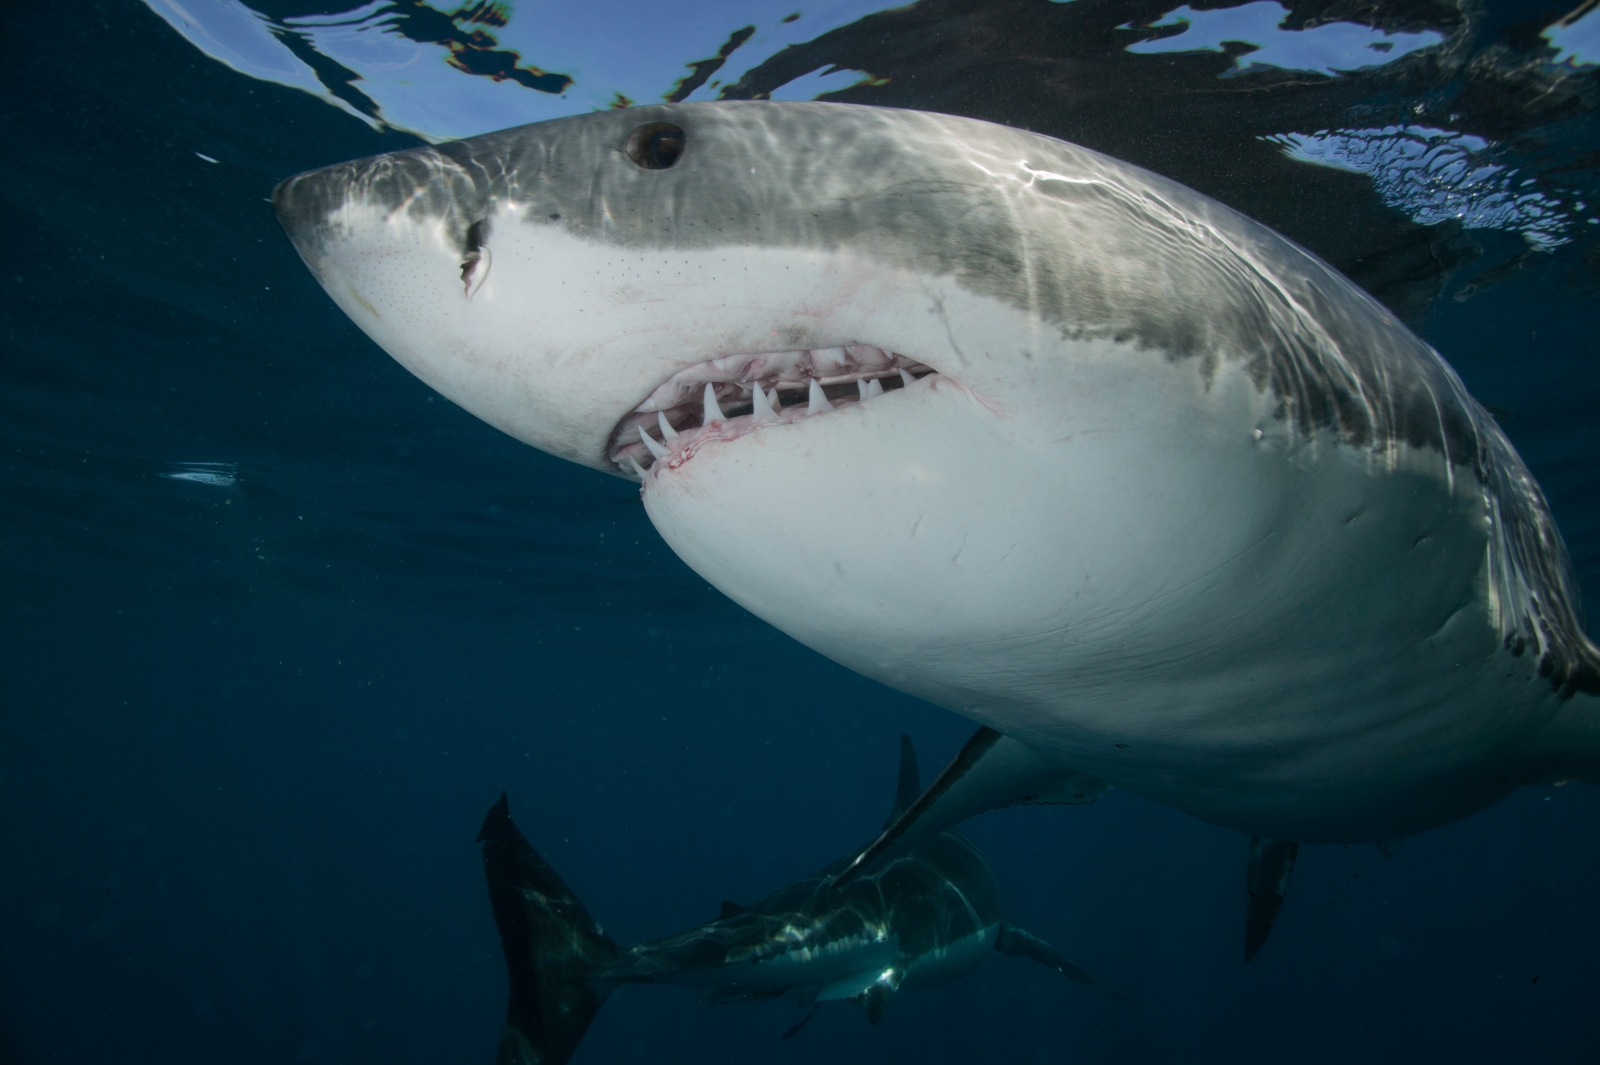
[922, 919]
[1152, 493]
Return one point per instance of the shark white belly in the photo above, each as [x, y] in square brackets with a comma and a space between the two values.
[1159, 494]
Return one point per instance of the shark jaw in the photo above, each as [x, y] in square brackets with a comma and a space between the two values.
[1012, 427]
[723, 399]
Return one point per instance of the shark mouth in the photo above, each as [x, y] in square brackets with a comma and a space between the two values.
[724, 399]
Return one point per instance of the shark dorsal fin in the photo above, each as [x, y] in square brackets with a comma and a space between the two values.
[909, 787]
[729, 909]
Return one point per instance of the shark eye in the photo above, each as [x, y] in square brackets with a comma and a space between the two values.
[656, 146]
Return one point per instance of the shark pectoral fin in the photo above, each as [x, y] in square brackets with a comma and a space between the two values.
[1017, 943]
[554, 949]
[1567, 749]
[991, 771]
[875, 998]
[1267, 878]
[802, 1022]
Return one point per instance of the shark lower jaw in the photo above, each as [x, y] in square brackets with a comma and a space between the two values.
[882, 534]
[726, 398]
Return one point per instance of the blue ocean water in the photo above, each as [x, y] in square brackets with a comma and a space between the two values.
[280, 624]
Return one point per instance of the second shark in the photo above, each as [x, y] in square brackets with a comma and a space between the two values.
[919, 919]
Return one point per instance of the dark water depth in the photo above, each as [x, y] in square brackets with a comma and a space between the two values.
[278, 625]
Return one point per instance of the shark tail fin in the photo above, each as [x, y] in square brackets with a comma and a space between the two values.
[553, 948]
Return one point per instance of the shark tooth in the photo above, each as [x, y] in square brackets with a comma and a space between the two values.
[762, 410]
[655, 449]
[819, 400]
[712, 412]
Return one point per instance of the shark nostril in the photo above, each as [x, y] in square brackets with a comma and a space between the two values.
[656, 146]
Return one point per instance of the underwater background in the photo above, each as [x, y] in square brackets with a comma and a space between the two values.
[279, 623]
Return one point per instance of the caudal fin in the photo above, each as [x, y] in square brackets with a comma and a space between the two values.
[553, 948]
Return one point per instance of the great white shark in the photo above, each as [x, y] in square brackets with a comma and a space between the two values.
[1156, 496]
[926, 917]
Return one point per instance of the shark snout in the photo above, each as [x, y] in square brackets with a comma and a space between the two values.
[306, 206]
[389, 195]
